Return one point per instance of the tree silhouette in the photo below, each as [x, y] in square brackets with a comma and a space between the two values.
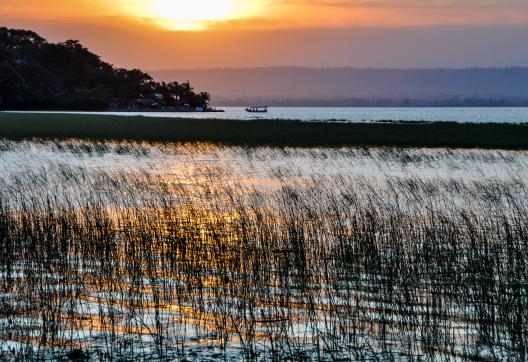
[35, 74]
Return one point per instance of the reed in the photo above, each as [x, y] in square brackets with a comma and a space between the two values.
[276, 133]
[117, 250]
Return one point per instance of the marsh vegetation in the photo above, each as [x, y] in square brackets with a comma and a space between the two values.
[113, 250]
[265, 132]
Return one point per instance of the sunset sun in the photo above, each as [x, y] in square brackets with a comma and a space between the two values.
[195, 14]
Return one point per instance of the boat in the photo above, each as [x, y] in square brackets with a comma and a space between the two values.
[262, 109]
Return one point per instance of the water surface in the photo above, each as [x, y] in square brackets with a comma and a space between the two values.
[152, 251]
[357, 114]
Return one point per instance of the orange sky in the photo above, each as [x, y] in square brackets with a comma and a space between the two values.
[145, 33]
[271, 14]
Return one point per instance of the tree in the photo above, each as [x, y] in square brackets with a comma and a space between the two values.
[35, 74]
[15, 38]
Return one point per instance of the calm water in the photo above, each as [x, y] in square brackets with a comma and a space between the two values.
[463, 115]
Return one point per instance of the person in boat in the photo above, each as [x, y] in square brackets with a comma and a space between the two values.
[262, 109]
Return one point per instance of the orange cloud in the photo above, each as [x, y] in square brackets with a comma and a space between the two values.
[275, 14]
[290, 32]
[400, 13]
[54, 9]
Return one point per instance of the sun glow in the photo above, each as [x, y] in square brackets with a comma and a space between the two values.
[195, 14]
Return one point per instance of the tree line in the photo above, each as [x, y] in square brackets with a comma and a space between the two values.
[36, 75]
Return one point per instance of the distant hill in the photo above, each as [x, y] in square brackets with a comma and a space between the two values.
[359, 87]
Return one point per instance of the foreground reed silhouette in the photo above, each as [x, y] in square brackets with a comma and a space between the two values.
[130, 250]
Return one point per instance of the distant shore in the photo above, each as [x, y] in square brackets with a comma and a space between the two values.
[279, 133]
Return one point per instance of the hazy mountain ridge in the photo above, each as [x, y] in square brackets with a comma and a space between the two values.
[360, 86]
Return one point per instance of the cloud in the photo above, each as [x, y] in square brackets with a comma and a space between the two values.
[267, 41]
[285, 14]
[475, 4]
[398, 13]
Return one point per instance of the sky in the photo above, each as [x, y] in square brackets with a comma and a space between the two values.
[166, 34]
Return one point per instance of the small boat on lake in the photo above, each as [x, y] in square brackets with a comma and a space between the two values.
[262, 109]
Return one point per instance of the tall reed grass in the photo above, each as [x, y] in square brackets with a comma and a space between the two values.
[115, 251]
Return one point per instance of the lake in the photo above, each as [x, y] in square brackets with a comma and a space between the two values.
[359, 114]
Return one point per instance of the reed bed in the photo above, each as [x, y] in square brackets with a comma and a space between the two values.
[265, 132]
[118, 250]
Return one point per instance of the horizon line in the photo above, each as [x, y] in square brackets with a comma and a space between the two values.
[350, 67]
